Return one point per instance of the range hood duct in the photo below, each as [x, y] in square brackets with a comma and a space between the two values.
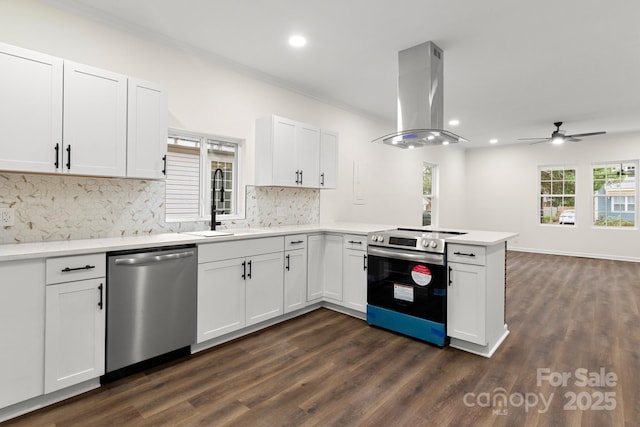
[420, 100]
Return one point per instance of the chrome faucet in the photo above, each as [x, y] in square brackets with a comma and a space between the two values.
[213, 197]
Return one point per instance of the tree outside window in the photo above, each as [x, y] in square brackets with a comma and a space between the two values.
[614, 194]
[557, 195]
[428, 193]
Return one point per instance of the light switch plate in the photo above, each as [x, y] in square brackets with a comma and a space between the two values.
[7, 217]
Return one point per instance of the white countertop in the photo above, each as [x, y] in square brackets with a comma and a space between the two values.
[32, 250]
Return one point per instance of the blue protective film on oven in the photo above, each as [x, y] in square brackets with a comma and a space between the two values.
[425, 330]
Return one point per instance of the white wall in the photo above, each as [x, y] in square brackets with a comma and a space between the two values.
[502, 194]
[207, 97]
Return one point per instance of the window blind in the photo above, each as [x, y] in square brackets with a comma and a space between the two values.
[183, 183]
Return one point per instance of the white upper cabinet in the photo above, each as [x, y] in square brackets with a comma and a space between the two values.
[308, 155]
[280, 137]
[146, 130]
[59, 116]
[288, 154]
[95, 121]
[328, 159]
[30, 110]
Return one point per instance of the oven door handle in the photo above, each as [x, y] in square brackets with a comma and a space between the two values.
[436, 259]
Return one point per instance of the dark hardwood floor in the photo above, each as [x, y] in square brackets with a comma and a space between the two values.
[328, 369]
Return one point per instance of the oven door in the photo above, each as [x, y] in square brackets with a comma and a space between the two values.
[408, 282]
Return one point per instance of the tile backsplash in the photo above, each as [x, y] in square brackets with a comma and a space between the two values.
[52, 207]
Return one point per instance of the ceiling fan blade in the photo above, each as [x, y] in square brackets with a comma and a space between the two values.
[579, 135]
[532, 139]
[572, 139]
[538, 142]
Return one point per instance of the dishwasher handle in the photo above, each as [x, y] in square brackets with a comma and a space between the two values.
[154, 258]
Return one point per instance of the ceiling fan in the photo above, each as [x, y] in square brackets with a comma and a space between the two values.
[558, 136]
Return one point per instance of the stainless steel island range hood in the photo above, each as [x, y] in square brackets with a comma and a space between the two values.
[420, 100]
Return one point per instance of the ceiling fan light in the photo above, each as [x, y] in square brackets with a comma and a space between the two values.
[557, 140]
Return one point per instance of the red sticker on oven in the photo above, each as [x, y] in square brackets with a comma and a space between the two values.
[421, 275]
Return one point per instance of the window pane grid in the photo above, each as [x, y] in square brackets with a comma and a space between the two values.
[557, 199]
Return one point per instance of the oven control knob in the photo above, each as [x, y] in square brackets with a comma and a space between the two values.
[425, 242]
[433, 244]
[380, 239]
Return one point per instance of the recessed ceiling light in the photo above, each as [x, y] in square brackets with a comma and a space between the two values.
[445, 142]
[454, 122]
[493, 141]
[297, 41]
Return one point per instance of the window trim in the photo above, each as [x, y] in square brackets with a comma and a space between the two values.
[205, 184]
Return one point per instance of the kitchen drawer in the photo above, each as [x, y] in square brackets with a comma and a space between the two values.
[353, 241]
[466, 254]
[72, 268]
[296, 241]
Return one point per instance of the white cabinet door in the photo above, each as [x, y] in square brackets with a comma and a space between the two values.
[146, 130]
[466, 303]
[308, 155]
[295, 280]
[221, 298]
[284, 152]
[328, 159]
[265, 283]
[355, 279]
[30, 110]
[75, 333]
[332, 267]
[315, 266]
[22, 307]
[95, 121]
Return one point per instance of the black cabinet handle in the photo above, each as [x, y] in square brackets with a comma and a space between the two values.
[86, 267]
[249, 273]
[301, 177]
[297, 242]
[100, 304]
[364, 262]
[57, 162]
[164, 168]
[244, 270]
[322, 178]
[288, 257]
[68, 157]
[355, 242]
[297, 177]
[464, 254]
[450, 274]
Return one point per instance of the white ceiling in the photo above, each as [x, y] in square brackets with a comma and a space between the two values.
[511, 68]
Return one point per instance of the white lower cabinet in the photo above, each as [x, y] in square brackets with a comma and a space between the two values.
[221, 296]
[75, 333]
[324, 274]
[237, 291]
[265, 285]
[354, 276]
[22, 305]
[466, 308]
[476, 297]
[75, 319]
[295, 273]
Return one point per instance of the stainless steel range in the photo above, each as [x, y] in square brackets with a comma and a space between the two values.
[406, 282]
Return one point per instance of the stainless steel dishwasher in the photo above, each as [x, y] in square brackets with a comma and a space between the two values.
[151, 303]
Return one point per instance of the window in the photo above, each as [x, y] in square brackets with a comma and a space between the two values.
[428, 193]
[192, 160]
[557, 195]
[614, 194]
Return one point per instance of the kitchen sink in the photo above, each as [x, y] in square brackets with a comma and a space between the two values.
[209, 233]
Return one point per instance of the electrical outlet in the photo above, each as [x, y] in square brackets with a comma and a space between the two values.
[7, 217]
